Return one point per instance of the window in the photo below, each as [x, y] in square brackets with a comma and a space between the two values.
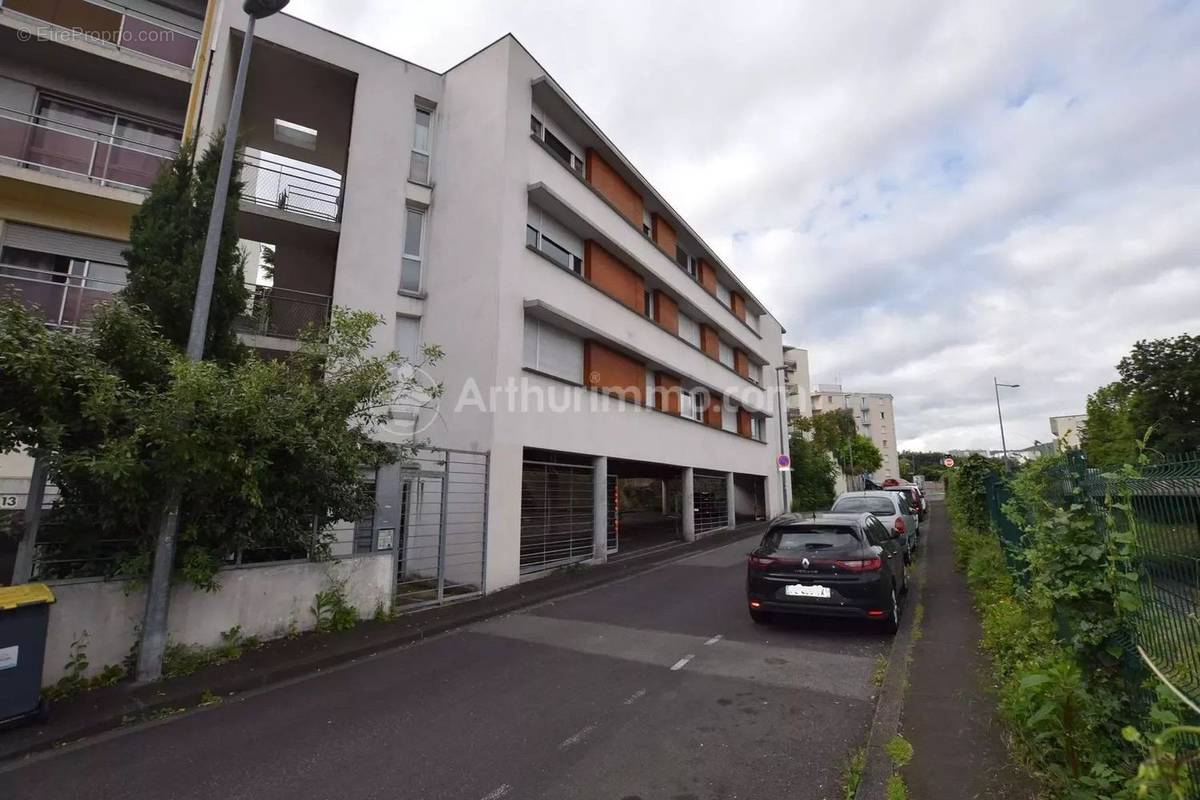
[647, 226]
[553, 241]
[725, 354]
[414, 230]
[724, 296]
[555, 145]
[686, 262]
[649, 396]
[689, 331]
[757, 431]
[729, 418]
[698, 406]
[687, 405]
[418, 170]
[755, 374]
[882, 415]
[408, 337]
[552, 351]
[648, 303]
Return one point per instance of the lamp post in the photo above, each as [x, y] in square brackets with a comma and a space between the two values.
[784, 442]
[996, 385]
[154, 628]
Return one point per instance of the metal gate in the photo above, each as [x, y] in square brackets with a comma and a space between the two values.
[709, 501]
[441, 541]
[556, 515]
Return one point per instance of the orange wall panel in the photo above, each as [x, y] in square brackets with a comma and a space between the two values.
[614, 373]
[709, 342]
[605, 180]
[738, 304]
[664, 234]
[610, 275]
[666, 312]
[708, 277]
[741, 363]
[743, 423]
[667, 393]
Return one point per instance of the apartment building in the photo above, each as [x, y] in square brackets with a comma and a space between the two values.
[797, 382]
[590, 334]
[1068, 429]
[874, 418]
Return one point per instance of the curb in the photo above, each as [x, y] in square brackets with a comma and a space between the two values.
[192, 690]
[888, 707]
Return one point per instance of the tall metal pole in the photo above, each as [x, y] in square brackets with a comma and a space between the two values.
[1003, 444]
[784, 443]
[158, 592]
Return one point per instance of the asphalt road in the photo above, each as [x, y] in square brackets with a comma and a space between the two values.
[658, 686]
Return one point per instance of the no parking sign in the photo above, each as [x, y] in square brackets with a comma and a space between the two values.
[785, 462]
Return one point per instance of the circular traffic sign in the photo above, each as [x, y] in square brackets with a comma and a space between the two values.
[948, 462]
[784, 461]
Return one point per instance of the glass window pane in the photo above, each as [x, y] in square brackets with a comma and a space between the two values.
[531, 236]
[419, 168]
[414, 221]
[559, 254]
[557, 146]
[421, 133]
[410, 275]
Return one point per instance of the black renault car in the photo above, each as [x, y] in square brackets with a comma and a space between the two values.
[834, 565]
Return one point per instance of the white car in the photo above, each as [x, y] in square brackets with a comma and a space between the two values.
[890, 509]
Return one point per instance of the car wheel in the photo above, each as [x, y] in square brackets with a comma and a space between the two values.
[760, 617]
[904, 580]
[893, 621]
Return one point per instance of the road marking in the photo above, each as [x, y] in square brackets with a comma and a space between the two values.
[713, 640]
[501, 791]
[681, 663]
[574, 739]
[633, 698]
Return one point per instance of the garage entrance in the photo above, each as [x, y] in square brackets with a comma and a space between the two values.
[711, 506]
[557, 510]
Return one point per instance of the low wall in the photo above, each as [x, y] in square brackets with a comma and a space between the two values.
[265, 601]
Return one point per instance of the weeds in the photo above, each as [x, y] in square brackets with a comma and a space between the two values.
[852, 773]
[75, 680]
[331, 609]
[182, 659]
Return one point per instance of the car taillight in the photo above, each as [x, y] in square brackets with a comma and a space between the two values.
[863, 565]
[760, 562]
[899, 526]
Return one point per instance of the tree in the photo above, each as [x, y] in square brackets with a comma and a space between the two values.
[166, 240]
[833, 429]
[1109, 438]
[858, 456]
[1162, 378]
[812, 472]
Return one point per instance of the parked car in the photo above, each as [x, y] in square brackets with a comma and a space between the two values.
[831, 565]
[891, 508]
[915, 498]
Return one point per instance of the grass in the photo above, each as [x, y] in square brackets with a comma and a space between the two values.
[900, 751]
[880, 672]
[896, 790]
[852, 773]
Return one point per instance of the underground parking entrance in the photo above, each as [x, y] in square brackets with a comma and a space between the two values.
[642, 504]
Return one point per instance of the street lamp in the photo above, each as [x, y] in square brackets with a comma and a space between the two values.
[154, 628]
[784, 443]
[996, 385]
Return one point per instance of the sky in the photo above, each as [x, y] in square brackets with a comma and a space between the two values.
[926, 194]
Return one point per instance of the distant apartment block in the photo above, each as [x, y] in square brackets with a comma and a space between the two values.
[479, 209]
[797, 382]
[1068, 429]
[874, 418]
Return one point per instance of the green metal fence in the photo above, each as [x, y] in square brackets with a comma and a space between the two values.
[1163, 501]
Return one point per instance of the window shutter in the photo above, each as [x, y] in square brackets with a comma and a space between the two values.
[62, 243]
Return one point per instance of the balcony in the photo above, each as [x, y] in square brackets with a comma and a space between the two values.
[110, 25]
[65, 300]
[283, 313]
[60, 148]
[291, 186]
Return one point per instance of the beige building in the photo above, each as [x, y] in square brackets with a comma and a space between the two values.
[1068, 429]
[873, 417]
[797, 382]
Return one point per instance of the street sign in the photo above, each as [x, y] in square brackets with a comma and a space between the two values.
[948, 462]
[784, 461]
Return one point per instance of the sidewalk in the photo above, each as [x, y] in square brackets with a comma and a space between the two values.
[103, 709]
[949, 715]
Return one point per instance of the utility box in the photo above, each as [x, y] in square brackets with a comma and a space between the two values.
[24, 619]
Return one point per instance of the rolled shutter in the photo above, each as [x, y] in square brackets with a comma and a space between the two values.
[62, 243]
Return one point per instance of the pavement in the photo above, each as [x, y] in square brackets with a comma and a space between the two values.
[949, 713]
[653, 685]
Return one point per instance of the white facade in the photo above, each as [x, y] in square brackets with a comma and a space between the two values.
[798, 382]
[481, 287]
[1068, 429]
[874, 418]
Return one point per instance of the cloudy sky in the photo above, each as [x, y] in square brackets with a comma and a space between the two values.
[926, 194]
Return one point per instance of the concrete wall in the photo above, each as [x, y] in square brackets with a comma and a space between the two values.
[263, 600]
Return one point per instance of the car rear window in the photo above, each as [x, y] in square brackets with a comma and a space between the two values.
[807, 537]
[867, 505]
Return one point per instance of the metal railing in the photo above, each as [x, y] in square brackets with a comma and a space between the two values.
[116, 26]
[65, 300]
[289, 187]
[282, 312]
[62, 148]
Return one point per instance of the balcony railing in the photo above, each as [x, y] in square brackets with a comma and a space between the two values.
[286, 313]
[290, 186]
[64, 300]
[62, 148]
[114, 25]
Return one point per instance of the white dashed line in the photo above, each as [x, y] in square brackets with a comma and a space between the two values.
[575, 738]
[501, 791]
[681, 663]
[713, 640]
[633, 698]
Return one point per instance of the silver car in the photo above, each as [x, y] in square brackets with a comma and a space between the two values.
[889, 507]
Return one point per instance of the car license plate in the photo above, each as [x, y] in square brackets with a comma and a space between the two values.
[800, 590]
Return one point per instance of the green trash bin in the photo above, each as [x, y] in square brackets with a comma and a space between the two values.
[24, 619]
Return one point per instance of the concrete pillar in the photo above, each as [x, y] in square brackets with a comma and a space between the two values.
[600, 509]
[730, 501]
[687, 500]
